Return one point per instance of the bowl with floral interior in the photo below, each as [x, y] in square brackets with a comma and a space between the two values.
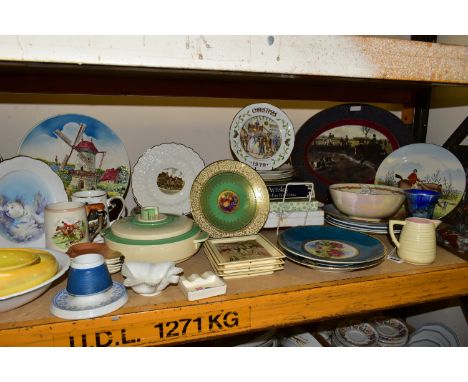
[367, 201]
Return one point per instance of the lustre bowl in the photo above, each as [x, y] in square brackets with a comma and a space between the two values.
[367, 201]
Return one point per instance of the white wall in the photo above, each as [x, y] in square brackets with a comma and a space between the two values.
[142, 123]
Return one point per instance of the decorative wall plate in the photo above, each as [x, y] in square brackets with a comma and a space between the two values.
[83, 151]
[229, 198]
[436, 169]
[357, 248]
[26, 186]
[262, 136]
[163, 177]
[346, 144]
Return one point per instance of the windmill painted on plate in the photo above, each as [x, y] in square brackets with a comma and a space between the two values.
[84, 175]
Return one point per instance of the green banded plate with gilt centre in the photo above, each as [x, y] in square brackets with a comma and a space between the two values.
[229, 198]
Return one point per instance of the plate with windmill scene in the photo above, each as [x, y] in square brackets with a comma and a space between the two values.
[84, 152]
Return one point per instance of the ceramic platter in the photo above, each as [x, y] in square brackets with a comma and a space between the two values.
[26, 186]
[83, 151]
[346, 144]
[331, 246]
[229, 198]
[338, 219]
[437, 169]
[262, 136]
[163, 177]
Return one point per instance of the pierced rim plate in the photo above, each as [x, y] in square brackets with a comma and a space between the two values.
[229, 198]
[26, 186]
[163, 177]
[84, 152]
[262, 136]
[437, 168]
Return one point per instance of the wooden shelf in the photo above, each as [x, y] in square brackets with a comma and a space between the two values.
[339, 68]
[294, 295]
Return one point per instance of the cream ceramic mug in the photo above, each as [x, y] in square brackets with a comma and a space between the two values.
[65, 224]
[417, 244]
[99, 196]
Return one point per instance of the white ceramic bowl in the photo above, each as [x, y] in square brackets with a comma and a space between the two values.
[367, 201]
[17, 299]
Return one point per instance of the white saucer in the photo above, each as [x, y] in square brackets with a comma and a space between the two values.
[72, 307]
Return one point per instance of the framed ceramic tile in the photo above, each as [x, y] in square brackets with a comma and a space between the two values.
[244, 249]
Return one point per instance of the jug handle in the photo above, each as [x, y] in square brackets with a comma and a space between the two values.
[391, 223]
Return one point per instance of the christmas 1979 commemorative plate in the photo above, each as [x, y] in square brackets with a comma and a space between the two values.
[262, 136]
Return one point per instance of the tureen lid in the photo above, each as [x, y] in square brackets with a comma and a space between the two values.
[150, 224]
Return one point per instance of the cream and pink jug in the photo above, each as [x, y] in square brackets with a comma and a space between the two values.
[417, 244]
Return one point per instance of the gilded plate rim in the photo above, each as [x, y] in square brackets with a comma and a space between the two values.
[257, 183]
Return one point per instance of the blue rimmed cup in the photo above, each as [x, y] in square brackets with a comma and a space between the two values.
[88, 275]
[421, 203]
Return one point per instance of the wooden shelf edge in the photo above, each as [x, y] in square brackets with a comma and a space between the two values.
[363, 57]
[207, 319]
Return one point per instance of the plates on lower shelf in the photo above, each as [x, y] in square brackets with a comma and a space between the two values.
[352, 333]
[391, 331]
[229, 198]
[26, 186]
[433, 334]
[163, 177]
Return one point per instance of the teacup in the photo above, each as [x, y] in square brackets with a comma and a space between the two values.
[65, 224]
[88, 275]
[421, 203]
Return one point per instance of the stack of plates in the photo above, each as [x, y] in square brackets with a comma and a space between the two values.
[243, 256]
[336, 218]
[282, 173]
[431, 335]
[114, 265]
[355, 333]
[113, 259]
[391, 331]
[331, 248]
